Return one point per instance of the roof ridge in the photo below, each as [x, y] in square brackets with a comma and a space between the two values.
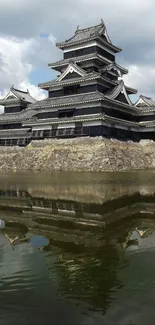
[69, 96]
[21, 91]
[146, 97]
[116, 91]
[119, 85]
[99, 93]
[88, 28]
[87, 76]
[74, 59]
[82, 30]
[21, 94]
[72, 62]
[108, 66]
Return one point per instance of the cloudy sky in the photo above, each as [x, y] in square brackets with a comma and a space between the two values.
[29, 29]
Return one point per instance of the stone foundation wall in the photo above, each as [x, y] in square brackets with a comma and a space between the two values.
[83, 154]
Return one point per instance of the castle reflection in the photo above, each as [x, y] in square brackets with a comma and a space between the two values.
[122, 220]
[90, 240]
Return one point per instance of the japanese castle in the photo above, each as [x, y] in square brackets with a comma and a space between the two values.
[88, 98]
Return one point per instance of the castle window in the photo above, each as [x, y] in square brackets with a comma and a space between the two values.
[66, 113]
[71, 90]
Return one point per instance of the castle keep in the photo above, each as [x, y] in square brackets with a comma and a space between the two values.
[88, 98]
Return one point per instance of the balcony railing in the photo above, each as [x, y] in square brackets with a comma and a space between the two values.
[47, 134]
[58, 133]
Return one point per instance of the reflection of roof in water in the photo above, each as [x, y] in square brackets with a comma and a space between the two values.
[73, 221]
[14, 233]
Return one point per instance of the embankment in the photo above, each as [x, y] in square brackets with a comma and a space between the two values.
[85, 154]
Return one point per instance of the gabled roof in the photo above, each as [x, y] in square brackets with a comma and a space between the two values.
[87, 78]
[119, 70]
[88, 34]
[144, 101]
[79, 59]
[114, 66]
[131, 91]
[80, 79]
[120, 88]
[16, 95]
[93, 31]
[72, 67]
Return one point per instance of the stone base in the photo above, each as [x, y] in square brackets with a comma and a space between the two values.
[79, 154]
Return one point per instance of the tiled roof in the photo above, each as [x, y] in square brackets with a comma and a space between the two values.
[89, 76]
[114, 65]
[130, 90]
[147, 101]
[81, 98]
[67, 100]
[72, 68]
[16, 95]
[23, 95]
[11, 100]
[64, 120]
[145, 109]
[147, 124]
[19, 117]
[14, 133]
[77, 59]
[115, 91]
[86, 34]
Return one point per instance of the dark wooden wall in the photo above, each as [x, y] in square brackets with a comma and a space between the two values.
[77, 90]
[14, 109]
[89, 50]
[6, 126]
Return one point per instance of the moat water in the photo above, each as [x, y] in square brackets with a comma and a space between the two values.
[77, 248]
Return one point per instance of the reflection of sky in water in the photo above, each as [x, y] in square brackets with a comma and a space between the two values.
[19, 256]
[2, 224]
[39, 241]
[142, 239]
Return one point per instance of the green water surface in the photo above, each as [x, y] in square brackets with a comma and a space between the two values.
[77, 248]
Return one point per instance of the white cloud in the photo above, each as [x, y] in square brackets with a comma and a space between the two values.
[16, 65]
[22, 50]
[138, 78]
[36, 92]
[52, 39]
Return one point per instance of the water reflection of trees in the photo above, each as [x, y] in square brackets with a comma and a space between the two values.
[14, 232]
